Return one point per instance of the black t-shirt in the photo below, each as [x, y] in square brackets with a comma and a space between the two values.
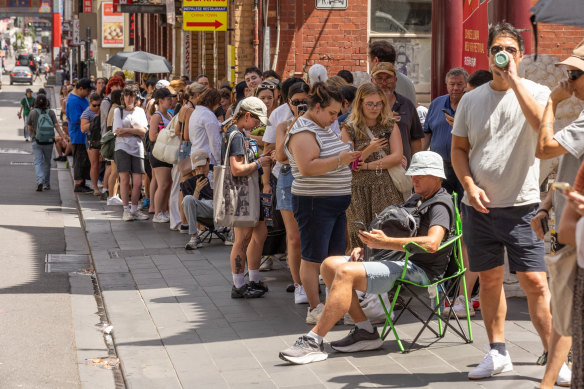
[433, 264]
[188, 188]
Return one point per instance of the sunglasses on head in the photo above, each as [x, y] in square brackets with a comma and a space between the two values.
[510, 49]
[296, 103]
[266, 86]
[573, 75]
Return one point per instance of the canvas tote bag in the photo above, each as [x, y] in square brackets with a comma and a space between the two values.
[236, 200]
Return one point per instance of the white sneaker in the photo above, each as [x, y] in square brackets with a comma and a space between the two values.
[565, 376]
[166, 214]
[493, 363]
[160, 218]
[267, 264]
[127, 216]
[313, 315]
[114, 200]
[139, 215]
[300, 295]
[459, 308]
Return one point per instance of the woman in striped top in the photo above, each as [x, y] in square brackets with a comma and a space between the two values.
[321, 192]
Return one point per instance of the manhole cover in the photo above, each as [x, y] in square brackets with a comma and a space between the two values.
[65, 263]
[21, 163]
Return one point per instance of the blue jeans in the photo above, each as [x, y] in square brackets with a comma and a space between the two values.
[42, 162]
[185, 151]
[26, 134]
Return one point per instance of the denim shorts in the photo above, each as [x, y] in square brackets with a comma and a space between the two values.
[322, 224]
[185, 151]
[487, 235]
[382, 274]
[284, 192]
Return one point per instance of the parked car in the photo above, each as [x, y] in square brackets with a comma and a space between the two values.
[21, 74]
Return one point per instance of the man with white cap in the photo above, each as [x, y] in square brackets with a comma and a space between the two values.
[198, 196]
[345, 274]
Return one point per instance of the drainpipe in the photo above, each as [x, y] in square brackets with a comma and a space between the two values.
[256, 41]
[275, 63]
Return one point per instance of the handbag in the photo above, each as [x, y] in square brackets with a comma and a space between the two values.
[236, 200]
[562, 270]
[397, 173]
[167, 144]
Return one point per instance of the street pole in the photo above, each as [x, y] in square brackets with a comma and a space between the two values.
[87, 49]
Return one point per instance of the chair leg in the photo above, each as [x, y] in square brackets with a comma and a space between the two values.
[467, 309]
[390, 322]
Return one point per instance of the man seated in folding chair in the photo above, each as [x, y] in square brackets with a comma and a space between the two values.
[197, 197]
[344, 275]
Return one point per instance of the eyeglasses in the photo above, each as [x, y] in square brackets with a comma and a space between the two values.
[372, 106]
[510, 49]
[573, 75]
[266, 86]
[296, 103]
[380, 80]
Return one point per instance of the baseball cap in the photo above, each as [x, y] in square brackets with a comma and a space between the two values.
[254, 106]
[162, 84]
[28, 90]
[163, 93]
[383, 67]
[576, 59]
[426, 163]
[199, 158]
[85, 83]
[317, 73]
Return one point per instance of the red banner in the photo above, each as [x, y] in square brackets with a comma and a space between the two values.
[475, 29]
[87, 6]
[117, 4]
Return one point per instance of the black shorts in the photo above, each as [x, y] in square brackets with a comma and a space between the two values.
[127, 163]
[81, 164]
[487, 235]
[154, 163]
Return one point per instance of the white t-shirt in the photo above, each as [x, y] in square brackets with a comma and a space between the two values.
[130, 144]
[502, 157]
[281, 114]
[205, 133]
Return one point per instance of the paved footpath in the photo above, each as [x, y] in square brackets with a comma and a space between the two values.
[176, 326]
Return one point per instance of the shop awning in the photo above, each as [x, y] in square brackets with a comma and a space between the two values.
[567, 12]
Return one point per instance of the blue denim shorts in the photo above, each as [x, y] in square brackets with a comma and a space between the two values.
[382, 274]
[185, 151]
[284, 192]
[322, 224]
[488, 235]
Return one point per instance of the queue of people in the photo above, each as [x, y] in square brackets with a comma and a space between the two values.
[332, 156]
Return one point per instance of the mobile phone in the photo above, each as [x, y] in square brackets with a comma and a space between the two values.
[544, 225]
[446, 112]
[562, 186]
[302, 108]
[360, 226]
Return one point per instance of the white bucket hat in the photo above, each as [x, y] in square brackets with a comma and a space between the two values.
[426, 163]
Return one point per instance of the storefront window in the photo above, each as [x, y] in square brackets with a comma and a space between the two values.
[401, 16]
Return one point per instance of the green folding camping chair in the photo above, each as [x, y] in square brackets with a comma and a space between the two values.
[444, 288]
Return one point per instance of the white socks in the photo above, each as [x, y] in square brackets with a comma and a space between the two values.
[315, 336]
[254, 275]
[238, 280]
[126, 207]
[365, 325]
[134, 208]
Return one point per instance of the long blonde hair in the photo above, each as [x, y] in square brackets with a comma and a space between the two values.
[357, 119]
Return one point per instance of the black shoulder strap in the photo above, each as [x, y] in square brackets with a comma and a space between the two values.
[444, 199]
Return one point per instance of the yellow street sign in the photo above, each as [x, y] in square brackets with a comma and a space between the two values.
[205, 15]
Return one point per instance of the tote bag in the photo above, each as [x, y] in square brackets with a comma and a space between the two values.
[167, 144]
[236, 200]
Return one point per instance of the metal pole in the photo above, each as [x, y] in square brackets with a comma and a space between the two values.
[87, 49]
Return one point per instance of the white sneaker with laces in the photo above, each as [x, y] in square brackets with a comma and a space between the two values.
[565, 376]
[459, 309]
[160, 218]
[127, 216]
[139, 215]
[300, 295]
[313, 315]
[493, 363]
[114, 200]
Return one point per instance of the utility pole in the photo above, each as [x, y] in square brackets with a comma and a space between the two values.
[87, 50]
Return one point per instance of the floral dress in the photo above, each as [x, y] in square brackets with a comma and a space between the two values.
[372, 191]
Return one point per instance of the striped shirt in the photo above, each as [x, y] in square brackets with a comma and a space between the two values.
[334, 183]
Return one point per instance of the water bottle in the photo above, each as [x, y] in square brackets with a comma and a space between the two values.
[501, 59]
[210, 178]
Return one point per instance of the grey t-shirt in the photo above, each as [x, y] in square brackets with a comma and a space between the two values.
[405, 87]
[571, 138]
[33, 117]
[502, 157]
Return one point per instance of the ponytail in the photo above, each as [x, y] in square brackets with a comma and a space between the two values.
[321, 94]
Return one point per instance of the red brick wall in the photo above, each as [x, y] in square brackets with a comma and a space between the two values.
[558, 40]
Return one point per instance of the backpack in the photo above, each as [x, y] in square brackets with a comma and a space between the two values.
[402, 221]
[108, 142]
[94, 133]
[45, 128]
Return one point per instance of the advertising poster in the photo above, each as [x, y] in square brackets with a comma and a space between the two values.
[475, 29]
[112, 26]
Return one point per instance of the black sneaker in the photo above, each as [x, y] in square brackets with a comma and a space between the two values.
[358, 340]
[184, 229]
[46, 187]
[305, 350]
[39, 187]
[290, 288]
[258, 286]
[82, 189]
[245, 292]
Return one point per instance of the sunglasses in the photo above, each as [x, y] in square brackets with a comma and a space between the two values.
[296, 103]
[95, 105]
[510, 49]
[573, 75]
[266, 86]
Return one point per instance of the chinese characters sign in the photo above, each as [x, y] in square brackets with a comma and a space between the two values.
[475, 32]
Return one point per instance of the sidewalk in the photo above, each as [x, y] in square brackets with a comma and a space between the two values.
[175, 325]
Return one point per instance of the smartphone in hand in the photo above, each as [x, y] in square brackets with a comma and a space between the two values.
[562, 188]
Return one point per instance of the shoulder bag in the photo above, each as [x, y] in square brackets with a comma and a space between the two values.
[167, 144]
[236, 200]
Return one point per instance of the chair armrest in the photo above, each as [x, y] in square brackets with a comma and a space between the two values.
[414, 248]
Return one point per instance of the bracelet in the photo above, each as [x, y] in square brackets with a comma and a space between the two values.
[543, 210]
[258, 163]
[338, 161]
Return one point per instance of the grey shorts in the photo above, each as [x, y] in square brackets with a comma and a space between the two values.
[381, 275]
[487, 235]
[127, 163]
